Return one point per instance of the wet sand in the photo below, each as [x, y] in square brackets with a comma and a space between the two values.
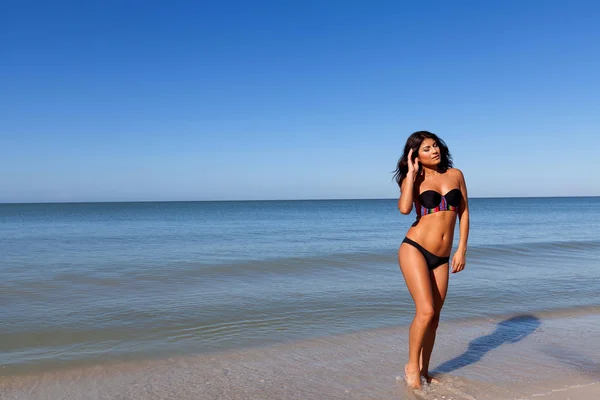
[548, 356]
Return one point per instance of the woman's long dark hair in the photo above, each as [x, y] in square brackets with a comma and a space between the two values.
[414, 142]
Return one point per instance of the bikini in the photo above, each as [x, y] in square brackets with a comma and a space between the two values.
[430, 202]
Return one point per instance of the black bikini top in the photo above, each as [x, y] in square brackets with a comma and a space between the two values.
[430, 202]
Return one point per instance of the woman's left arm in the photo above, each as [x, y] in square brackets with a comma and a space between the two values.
[459, 259]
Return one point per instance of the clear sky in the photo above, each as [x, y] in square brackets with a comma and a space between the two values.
[210, 100]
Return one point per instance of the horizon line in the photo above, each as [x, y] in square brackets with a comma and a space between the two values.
[266, 200]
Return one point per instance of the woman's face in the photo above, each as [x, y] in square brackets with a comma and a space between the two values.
[429, 152]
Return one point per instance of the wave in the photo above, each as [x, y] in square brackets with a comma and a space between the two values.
[358, 260]
[528, 248]
[371, 261]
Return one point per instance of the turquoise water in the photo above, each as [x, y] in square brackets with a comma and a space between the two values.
[91, 282]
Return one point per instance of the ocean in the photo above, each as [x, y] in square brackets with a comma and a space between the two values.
[88, 284]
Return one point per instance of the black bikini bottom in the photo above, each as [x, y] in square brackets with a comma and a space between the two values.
[432, 260]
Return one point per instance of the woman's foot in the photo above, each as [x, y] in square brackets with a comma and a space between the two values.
[413, 377]
[428, 378]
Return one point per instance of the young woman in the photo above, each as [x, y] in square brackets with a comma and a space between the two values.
[426, 178]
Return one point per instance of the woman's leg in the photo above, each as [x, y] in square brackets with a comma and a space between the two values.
[439, 280]
[414, 268]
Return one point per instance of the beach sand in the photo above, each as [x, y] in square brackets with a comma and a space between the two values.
[546, 356]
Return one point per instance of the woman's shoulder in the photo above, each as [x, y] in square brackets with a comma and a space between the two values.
[456, 175]
[455, 172]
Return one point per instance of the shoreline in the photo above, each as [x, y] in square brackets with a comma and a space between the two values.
[46, 366]
[518, 356]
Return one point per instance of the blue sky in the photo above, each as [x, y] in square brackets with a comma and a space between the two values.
[175, 100]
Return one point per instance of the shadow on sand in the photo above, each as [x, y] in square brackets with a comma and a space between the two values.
[511, 330]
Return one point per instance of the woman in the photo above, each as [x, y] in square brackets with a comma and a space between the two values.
[426, 178]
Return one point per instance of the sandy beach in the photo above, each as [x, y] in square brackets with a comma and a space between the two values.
[552, 355]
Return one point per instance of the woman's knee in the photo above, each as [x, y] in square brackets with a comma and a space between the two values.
[426, 314]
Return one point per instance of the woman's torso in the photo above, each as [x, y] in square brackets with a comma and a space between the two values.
[435, 231]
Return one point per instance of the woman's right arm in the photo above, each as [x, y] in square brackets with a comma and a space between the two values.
[405, 202]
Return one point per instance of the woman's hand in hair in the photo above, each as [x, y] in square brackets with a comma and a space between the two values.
[413, 167]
